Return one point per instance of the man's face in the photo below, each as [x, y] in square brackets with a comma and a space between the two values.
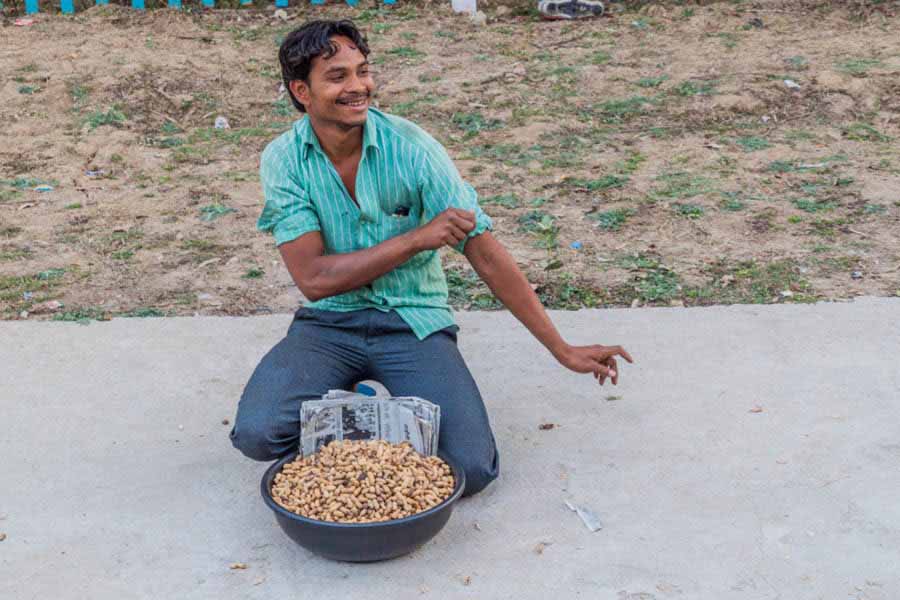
[339, 88]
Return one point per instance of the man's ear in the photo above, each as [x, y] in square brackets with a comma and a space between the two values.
[300, 90]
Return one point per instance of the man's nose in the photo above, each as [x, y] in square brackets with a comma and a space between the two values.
[357, 85]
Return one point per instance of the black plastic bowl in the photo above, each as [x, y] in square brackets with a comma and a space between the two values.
[363, 542]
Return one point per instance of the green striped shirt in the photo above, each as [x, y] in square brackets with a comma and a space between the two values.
[405, 178]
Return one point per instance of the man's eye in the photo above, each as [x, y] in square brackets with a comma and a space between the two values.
[336, 78]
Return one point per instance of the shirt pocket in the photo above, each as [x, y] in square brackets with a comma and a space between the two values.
[401, 211]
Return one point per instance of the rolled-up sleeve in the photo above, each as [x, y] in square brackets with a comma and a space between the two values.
[288, 212]
[442, 187]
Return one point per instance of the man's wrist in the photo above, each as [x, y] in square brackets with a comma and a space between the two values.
[414, 242]
[559, 349]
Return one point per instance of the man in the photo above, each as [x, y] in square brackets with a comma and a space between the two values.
[359, 203]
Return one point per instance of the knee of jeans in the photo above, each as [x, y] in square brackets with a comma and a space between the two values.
[256, 436]
[480, 475]
[255, 441]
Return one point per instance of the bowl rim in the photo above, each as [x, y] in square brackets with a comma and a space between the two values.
[459, 485]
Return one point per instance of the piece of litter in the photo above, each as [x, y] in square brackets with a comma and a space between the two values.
[2, 536]
[787, 294]
[546, 426]
[756, 409]
[477, 527]
[756, 22]
[237, 566]
[26, 296]
[792, 84]
[576, 245]
[856, 275]
[613, 398]
[539, 547]
[94, 173]
[181, 428]
[466, 580]
[590, 520]
[26, 205]
[280, 14]
[24, 22]
[225, 421]
[206, 263]
[221, 123]
[43, 188]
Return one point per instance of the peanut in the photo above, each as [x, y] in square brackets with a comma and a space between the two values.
[362, 482]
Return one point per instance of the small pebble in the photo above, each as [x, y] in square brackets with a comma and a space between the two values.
[225, 421]
[856, 274]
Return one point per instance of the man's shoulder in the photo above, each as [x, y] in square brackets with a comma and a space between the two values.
[405, 132]
[282, 147]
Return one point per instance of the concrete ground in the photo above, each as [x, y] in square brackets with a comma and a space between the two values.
[752, 452]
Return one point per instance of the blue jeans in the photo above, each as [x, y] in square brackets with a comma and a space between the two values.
[325, 350]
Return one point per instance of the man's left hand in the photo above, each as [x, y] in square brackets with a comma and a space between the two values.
[599, 360]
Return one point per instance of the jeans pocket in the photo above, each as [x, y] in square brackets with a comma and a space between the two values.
[451, 331]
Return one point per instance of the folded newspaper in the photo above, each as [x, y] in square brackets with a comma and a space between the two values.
[342, 415]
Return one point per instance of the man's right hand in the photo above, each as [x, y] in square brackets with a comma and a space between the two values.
[447, 229]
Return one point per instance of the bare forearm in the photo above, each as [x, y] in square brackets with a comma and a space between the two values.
[500, 272]
[338, 273]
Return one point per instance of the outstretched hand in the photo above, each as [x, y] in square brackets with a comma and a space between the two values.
[599, 360]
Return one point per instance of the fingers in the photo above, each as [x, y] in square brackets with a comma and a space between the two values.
[459, 234]
[453, 235]
[623, 353]
[611, 363]
[601, 372]
[608, 351]
[466, 214]
[463, 219]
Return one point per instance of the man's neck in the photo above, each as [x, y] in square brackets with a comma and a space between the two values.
[338, 142]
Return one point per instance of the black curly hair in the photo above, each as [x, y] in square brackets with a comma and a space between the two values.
[310, 40]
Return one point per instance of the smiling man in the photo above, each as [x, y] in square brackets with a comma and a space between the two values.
[359, 203]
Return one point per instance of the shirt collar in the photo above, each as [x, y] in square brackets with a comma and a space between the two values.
[306, 136]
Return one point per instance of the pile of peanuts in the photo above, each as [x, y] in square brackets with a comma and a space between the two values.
[362, 482]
